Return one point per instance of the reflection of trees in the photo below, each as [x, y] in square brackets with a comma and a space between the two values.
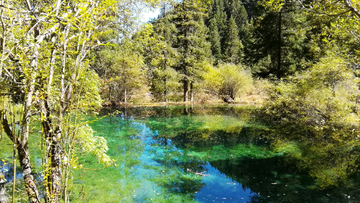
[177, 174]
[197, 132]
[111, 183]
[278, 179]
[330, 153]
[223, 136]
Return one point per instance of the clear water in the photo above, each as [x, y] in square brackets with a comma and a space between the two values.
[209, 154]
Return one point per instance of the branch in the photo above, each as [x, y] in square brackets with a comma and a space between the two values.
[29, 5]
[7, 128]
[352, 8]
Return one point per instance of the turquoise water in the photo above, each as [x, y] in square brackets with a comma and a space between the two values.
[210, 154]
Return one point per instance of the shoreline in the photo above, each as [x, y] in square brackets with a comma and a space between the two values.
[163, 104]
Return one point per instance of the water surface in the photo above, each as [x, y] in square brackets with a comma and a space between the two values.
[206, 154]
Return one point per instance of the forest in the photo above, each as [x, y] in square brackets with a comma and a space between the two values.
[296, 61]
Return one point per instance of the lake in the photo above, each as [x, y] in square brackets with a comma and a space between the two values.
[210, 154]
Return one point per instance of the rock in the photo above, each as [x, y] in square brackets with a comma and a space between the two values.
[228, 99]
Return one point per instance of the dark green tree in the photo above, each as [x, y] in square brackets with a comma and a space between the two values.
[282, 37]
[165, 59]
[192, 44]
[233, 46]
[218, 12]
[215, 40]
[217, 24]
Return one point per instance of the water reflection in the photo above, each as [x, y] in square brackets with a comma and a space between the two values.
[231, 191]
[167, 169]
[211, 142]
[213, 154]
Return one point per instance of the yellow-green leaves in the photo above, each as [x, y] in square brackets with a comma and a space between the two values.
[94, 145]
[228, 79]
[319, 106]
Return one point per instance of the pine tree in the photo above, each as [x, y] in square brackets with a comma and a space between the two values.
[191, 44]
[167, 56]
[220, 16]
[282, 37]
[236, 9]
[215, 40]
[233, 45]
[217, 23]
[241, 19]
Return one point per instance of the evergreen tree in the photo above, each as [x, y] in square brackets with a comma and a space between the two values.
[282, 37]
[233, 45]
[220, 15]
[215, 40]
[236, 9]
[242, 21]
[217, 24]
[164, 74]
[191, 43]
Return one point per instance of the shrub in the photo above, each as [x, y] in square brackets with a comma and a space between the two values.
[228, 79]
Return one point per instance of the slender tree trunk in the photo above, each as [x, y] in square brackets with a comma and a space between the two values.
[55, 165]
[191, 92]
[3, 195]
[125, 95]
[24, 158]
[186, 110]
[165, 77]
[14, 171]
[279, 72]
[186, 89]
[53, 151]
[165, 90]
[23, 151]
[30, 185]
[110, 89]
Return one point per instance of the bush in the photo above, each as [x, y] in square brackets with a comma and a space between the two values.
[318, 110]
[228, 79]
[322, 95]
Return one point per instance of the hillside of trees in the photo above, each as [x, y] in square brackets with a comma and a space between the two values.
[178, 56]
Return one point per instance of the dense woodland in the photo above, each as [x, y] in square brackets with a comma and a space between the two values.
[61, 59]
[198, 49]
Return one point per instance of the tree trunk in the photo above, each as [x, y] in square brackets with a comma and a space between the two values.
[186, 89]
[55, 165]
[191, 92]
[165, 90]
[110, 89]
[279, 74]
[23, 151]
[3, 196]
[165, 63]
[125, 95]
[24, 158]
[53, 151]
[30, 185]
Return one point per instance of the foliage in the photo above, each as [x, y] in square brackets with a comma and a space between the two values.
[46, 71]
[233, 46]
[281, 44]
[128, 72]
[229, 79]
[191, 43]
[155, 45]
[322, 102]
